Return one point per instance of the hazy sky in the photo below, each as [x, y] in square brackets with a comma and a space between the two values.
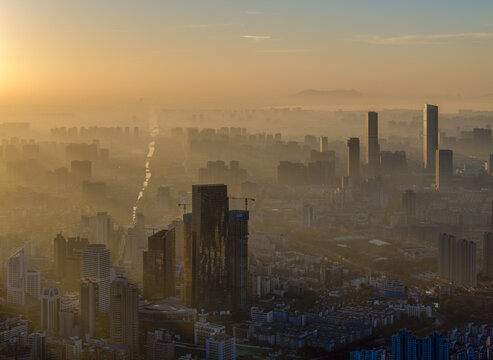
[186, 50]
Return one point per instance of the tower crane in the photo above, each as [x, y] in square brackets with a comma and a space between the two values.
[246, 201]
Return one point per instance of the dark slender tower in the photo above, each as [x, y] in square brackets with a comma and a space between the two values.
[372, 146]
[187, 259]
[444, 168]
[159, 265]
[238, 259]
[60, 255]
[88, 301]
[124, 315]
[409, 203]
[353, 160]
[430, 136]
[488, 255]
[210, 288]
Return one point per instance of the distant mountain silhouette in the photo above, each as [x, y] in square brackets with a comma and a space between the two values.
[329, 93]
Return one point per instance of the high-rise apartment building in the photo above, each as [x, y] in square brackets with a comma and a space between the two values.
[103, 226]
[178, 226]
[457, 260]
[323, 144]
[466, 252]
[320, 169]
[430, 136]
[15, 278]
[96, 264]
[445, 245]
[88, 302]
[51, 299]
[353, 160]
[488, 255]
[73, 261]
[482, 138]
[434, 347]
[32, 283]
[124, 315]
[393, 163]
[60, 254]
[159, 265]
[372, 146]
[406, 346]
[36, 342]
[220, 347]
[409, 203]
[210, 205]
[188, 251]
[22, 280]
[238, 258]
[444, 168]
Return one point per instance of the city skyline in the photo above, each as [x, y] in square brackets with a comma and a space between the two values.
[238, 180]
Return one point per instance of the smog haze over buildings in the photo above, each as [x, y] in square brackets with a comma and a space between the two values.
[246, 180]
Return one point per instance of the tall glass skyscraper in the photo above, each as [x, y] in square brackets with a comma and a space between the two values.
[353, 160]
[238, 258]
[159, 265]
[430, 136]
[210, 290]
[96, 264]
[187, 260]
[124, 315]
[444, 167]
[372, 146]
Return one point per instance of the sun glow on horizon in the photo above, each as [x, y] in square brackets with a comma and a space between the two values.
[54, 50]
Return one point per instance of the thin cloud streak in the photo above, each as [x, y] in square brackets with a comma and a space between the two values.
[427, 39]
[256, 38]
[287, 51]
[206, 25]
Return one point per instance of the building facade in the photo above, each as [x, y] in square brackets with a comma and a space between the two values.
[457, 260]
[51, 299]
[444, 168]
[488, 255]
[430, 136]
[96, 265]
[124, 315]
[353, 160]
[372, 146]
[89, 303]
[210, 280]
[159, 265]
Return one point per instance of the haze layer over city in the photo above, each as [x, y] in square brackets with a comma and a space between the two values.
[246, 180]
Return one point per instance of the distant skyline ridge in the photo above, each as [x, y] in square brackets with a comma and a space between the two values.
[191, 54]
